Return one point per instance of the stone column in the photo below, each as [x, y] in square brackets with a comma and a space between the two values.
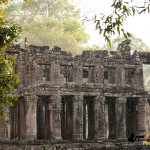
[57, 73]
[138, 77]
[119, 76]
[31, 116]
[77, 73]
[2, 128]
[141, 116]
[121, 117]
[78, 117]
[55, 117]
[99, 74]
[99, 117]
[52, 72]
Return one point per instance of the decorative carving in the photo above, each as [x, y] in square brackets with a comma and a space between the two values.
[124, 47]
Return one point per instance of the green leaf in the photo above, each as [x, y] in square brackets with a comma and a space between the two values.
[109, 42]
[148, 8]
[98, 24]
[128, 34]
[124, 8]
[125, 35]
[118, 29]
[133, 10]
[142, 11]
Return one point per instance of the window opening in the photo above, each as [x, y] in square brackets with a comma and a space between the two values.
[129, 75]
[109, 75]
[88, 74]
[66, 71]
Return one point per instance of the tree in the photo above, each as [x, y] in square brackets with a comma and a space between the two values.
[68, 34]
[109, 25]
[49, 22]
[136, 44]
[93, 47]
[22, 12]
[9, 32]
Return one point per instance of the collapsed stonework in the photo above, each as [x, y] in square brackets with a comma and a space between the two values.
[93, 96]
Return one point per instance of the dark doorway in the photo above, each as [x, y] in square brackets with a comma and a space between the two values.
[88, 117]
[21, 117]
[110, 103]
[17, 121]
[43, 118]
[67, 117]
[130, 116]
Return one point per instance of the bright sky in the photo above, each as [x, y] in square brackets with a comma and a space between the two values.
[138, 25]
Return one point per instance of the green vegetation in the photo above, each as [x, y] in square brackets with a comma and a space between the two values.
[49, 22]
[8, 79]
[121, 10]
[136, 44]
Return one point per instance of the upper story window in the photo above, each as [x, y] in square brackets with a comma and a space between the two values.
[27, 69]
[47, 72]
[129, 75]
[66, 72]
[44, 72]
[109, 75]
[88, 74]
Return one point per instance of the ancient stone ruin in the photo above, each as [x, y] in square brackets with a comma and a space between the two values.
[97, 96]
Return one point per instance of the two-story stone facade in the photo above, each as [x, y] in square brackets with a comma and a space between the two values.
[98, 95]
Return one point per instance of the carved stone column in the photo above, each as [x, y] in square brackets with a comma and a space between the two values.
[121, 117]
[55, 117]
[141, 116]
[99, 114]
[31, 115]
[78, 117]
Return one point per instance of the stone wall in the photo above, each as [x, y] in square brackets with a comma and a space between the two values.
[93, 96]
[2, 128]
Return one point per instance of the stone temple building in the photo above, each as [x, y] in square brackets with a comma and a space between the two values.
[98, 95]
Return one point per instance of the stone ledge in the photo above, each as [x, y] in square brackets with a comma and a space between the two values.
[69, 145]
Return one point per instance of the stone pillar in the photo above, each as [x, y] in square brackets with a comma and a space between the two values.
[141, 116]
[31, 116]
[52, 72]
[9, 128]
[119, 76]
[99, 74]
[99, 114]
[121, 117]
[78, 117]
[77, 73]
[55, 117]
[57, 73]
[138, 77]
[2, 128]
